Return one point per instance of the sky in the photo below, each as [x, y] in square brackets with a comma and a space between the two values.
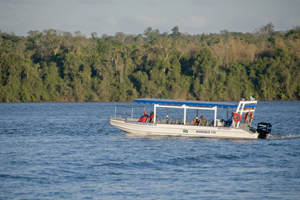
[135, 16]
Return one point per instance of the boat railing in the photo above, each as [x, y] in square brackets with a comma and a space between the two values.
[126, 111]
[184, 107]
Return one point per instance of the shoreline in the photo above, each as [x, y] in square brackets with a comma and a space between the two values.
[107, 101]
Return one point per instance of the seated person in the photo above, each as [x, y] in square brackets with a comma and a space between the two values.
[202, 120]
[151, 116]
[248, 117]
[144, 117]
[229, 121]
[196, 121]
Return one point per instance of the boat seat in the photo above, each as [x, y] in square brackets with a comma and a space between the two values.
[177, 121]
[218, 123]
[187, 121]
[222, 123]
[163, 121]
[170, 121]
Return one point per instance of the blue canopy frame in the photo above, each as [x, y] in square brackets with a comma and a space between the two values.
[191, 103]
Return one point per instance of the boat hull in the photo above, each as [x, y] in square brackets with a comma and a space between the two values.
[181, 130]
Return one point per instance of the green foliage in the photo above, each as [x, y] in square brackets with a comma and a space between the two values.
[60, 66]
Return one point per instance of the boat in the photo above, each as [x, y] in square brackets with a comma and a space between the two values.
[216, 128]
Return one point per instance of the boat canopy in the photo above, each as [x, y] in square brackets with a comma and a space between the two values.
[192, 103]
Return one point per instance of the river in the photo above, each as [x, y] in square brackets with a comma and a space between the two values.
[69, 151]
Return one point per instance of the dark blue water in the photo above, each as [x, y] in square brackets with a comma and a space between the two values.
[69, 151]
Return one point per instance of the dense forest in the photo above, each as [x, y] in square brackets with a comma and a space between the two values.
[60, 66]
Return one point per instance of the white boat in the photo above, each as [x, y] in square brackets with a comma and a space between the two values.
[217, 128]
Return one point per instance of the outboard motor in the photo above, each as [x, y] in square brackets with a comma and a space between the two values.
[263, 129]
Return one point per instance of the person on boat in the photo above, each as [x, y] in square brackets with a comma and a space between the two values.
[151, 116]
[202, 120]
[229, 121]
[196, 121]
[248, 117]
[144, 117]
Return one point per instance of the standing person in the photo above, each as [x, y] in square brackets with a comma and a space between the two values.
[248, 117]
[229, 121]
[144, 117]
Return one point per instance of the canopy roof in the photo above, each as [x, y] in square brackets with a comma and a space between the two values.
[191, 103]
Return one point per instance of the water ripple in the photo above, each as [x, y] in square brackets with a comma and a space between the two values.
[69, 151]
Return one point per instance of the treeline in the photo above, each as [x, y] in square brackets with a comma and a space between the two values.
[60, 66]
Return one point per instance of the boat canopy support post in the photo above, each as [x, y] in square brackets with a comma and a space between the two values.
[155, 113]
[227, 115]
[167, 113]
[184, 114]
[215, 116]
[115, 112]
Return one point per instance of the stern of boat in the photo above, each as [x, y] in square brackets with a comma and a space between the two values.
[263, 129]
